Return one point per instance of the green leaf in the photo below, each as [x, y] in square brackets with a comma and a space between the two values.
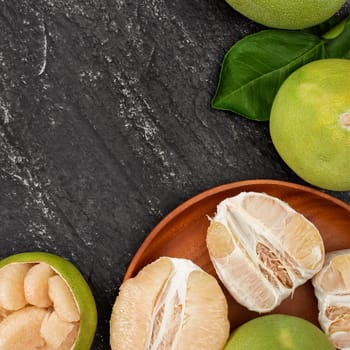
[254, 68]
[337, 43]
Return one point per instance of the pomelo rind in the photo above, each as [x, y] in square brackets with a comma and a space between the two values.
[77, 284]
[296, 14]
[309, 124]
[278, 332]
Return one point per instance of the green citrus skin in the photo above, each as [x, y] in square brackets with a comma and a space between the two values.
[77, 284]
[291, 14]
[310, 123]
[278, 332]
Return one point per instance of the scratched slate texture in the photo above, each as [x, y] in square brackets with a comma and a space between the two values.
[106, 126]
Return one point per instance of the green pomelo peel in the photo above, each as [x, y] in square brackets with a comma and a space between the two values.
[296, 14]
[77, 284]
[278, 332]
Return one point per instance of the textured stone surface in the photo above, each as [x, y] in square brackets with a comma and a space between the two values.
[106, 126]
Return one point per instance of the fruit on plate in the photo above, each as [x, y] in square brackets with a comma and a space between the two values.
[332, 289]
[310, 123]
[278, 332]
[170, 304]
[45, 303]
[292, 14]
[262, 249]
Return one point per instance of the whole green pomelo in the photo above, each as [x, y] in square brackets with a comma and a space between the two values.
[291, 14]
[278, 332]
[310, 123]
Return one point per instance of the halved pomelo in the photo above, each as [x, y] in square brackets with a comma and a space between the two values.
[171, 304]
[262, 249]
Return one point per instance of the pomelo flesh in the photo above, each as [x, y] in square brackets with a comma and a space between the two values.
[262, 249]
[26, 277]
[171, 304]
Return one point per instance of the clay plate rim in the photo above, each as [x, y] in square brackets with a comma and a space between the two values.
[338, 212]
[213, 191]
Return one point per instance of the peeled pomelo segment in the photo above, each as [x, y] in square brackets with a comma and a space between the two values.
[158, 309]
[55, 331]
[135, 303]
[204, 321]
[333, 294]
[21, 329]
[342, 324]
[335, 277]
[71, 338]
[251, 286]
[68, 343]
[339, 332]
[299, 258]
[341, 340]
[246, 283]
[36, 285]
[303, 243]
[269, 211]
[63, 300]
[12, 286]
[262, 249]
[332, 280]
[219, 240]
[298, 236]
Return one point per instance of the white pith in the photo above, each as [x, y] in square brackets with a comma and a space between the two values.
[172, 295]
[336, 298]
[246, 233]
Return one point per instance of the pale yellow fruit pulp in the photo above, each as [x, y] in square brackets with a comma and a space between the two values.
[171, 304]
[332, 289]
[38, 310]
[36, 285]
[21, 329]
[262, 249]
[12, 295]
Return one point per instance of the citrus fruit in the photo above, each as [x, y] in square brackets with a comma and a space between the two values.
[278, 332]
[170, 304]
[332, 289]
[310, 123]
[262, 249]
[44, 303]
[292, 14]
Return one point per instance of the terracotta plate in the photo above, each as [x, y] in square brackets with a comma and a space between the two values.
[182, 234]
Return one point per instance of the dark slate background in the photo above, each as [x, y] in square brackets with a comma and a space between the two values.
[106, 126]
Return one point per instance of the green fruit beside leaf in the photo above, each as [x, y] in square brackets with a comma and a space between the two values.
[256, 66]
[310, 123]
[292, 14]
